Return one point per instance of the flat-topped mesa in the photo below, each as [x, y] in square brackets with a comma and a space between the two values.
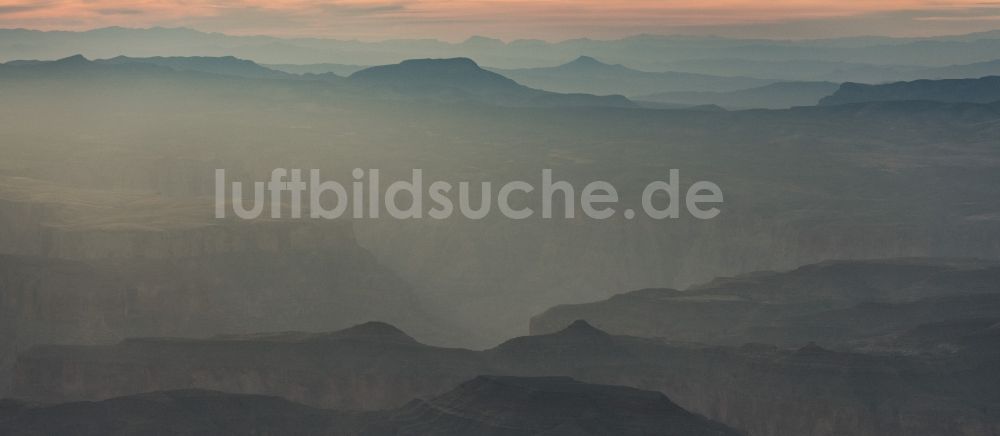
[461, 79]
[457, 73]
[458, 64]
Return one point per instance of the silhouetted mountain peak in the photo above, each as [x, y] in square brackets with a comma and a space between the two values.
[581, 328]
[76, 59]
[579, 338]
[586, 61]
[812, 348]
[374, 330]
[589, 63]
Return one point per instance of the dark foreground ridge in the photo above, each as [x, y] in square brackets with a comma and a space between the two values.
[755, 388]
[981, 90]
[497, 405]
[486, 405]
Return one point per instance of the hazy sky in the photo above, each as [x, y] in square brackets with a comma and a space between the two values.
[508, 19]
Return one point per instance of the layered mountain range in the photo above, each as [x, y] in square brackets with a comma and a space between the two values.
[122, 296]
[134, 178]
[758, 389]
[486, 405]
[447, 80]
[803, 352]
[846, 305]
[866, 59]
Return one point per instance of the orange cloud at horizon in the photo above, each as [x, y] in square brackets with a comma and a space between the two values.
[450, 19]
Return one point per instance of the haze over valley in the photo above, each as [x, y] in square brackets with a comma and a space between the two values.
[850, 284]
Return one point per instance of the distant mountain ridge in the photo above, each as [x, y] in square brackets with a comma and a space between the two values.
[153, 66]
[757, 388]
[226, 65]
[440, 80]
[836, 303]
[780, 95]
[982, 90]
[964, 71]
[484, 405]
[462, 78]
[587, 74]
[645, 52]
[321, 68]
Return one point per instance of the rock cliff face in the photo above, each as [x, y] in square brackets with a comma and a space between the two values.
[757, 389]
[461, 79]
